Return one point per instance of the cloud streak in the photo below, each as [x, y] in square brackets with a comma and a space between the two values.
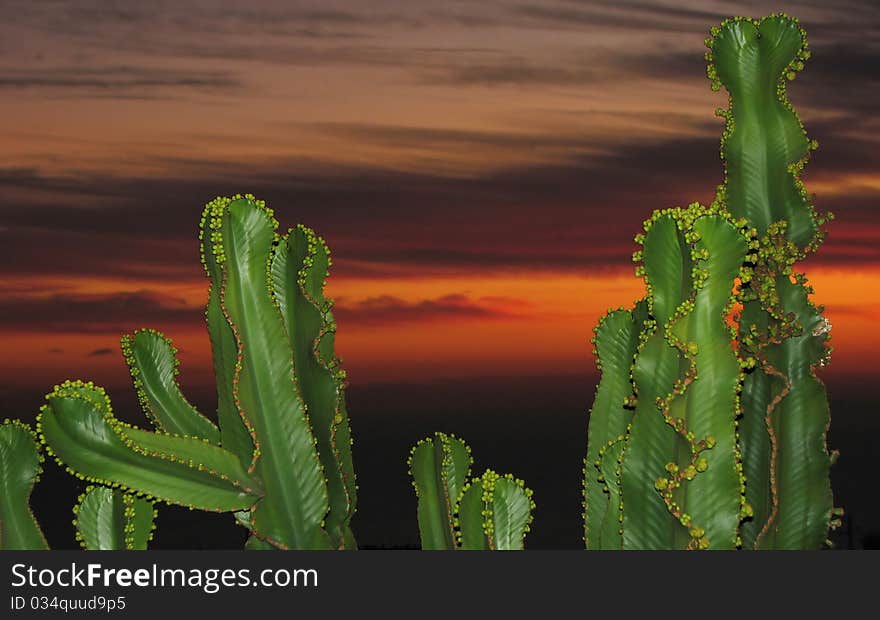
[427, 142]
[122, 81]
[94, 313]
[387, 309]
[578, 213]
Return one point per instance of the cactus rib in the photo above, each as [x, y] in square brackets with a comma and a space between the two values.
[764, 148]
[495, 513]
[691, 259]
[108, 519]
[292, 511]
[439, 467]
[154, 367]
[78, 428]
[298, 268]
[615, 340]
[20, 469]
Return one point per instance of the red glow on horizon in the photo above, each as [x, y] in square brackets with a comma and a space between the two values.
[524, 327]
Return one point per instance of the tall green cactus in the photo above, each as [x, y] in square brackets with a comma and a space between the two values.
[675, 458]
[489, 512]
[764, 147]
[280, 458]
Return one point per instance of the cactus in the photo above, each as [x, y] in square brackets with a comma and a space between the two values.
[110, 519]
[707, 431]
[20, 469]
[705, 434]
[663, 467]
[764, 147]
[280, 456]
[489, 512]
[105, 518]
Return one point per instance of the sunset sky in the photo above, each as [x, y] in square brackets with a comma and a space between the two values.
[477, 168]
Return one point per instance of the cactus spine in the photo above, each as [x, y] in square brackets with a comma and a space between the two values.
[489, 512]
[281, 456]
[704, 435]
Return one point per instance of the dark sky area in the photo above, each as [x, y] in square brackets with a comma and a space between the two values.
[478, 169]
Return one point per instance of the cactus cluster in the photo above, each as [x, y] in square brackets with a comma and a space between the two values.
[280, 457]
[707, 430]
[486, 513]
[708, 427]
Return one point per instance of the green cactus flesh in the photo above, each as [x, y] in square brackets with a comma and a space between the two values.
[79, 429]
[701, 435]
[109, 519]
[489, 512]
[299, 267]
[696, 464]
[764, 145]
[236, 434]
[280, 459]
[616, 339]
[20, 468]
[494, 513]
[680, 467]
[786, 414]
[153, 364]
[609, 533]
[439, 467]
[291, 513]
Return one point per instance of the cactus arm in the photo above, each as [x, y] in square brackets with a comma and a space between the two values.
[291, 513]
[439, 467]
[647, 522]
[691, 259]
[299, 266]
[511, 513]
[20, 469]
[78, 428]
[756, 442]
[616, 339]
[609, 461]
[799, 422]
[471, 535]
[108, 519]
[141, 522]
[236, 433]
[764, 143]
[153, 365]
[495, 513]
[713, 498]
[765, 148]
[253, 543]
[435, 524]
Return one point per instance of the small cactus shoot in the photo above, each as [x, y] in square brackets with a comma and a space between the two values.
[488, 512]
